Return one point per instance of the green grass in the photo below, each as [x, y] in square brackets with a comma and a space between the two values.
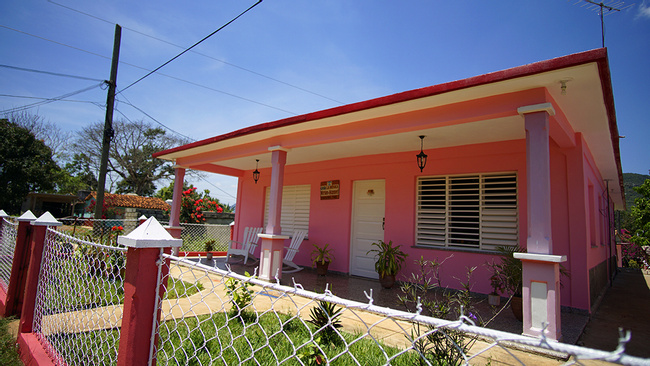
[8, 348]
[80, 285]
[178, 288]
[228, 340]
[269, 339]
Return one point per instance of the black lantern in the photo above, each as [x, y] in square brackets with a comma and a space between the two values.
[422, 157]
[256, 173]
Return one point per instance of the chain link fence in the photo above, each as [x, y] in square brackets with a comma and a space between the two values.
[239, 319]
[7, 249]
[105, 231]
[79, 300]
[195, 237]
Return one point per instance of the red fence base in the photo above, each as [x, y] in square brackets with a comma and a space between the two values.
[3, 300]
[32, 351]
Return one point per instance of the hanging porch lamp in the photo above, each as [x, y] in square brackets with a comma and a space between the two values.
[422, 157]
[256, 173]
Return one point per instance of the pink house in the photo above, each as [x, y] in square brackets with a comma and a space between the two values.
[526, 156]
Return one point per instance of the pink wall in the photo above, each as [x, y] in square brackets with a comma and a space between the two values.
[400, 173]
[572, 169]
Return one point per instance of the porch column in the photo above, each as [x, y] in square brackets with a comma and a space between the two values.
[271, 250]
[177, 200]
[541, 275]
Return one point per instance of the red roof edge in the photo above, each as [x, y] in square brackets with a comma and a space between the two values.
[597, 55]
[608, 97]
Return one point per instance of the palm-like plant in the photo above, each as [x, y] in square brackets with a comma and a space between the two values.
[389, 258]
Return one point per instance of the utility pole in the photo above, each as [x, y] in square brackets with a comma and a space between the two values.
[108, 123]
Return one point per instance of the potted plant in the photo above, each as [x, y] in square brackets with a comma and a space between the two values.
[494, 298]
[209, 248]
[506, 277]
[321, 257]
[389, 261]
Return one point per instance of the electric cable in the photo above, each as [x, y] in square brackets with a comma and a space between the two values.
[158, 73]
[127, 102]
[49, 100]
[41, 98]
[50, 73]
[192, 46]
[212, 184]
[200, 53]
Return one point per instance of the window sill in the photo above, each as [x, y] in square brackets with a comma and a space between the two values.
[461, 250]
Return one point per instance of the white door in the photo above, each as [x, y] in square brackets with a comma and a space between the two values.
[368, 208]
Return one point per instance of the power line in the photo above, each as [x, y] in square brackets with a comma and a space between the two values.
[212, 184]
[50, 73]
[194, 45]
[159, 73]
[201, 54]
[41, 98]
[153, 119]
[49, 100]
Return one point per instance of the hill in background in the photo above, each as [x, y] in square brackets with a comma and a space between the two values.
[632, 180]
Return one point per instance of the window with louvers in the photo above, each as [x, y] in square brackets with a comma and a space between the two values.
[467, 212]
[295, 208]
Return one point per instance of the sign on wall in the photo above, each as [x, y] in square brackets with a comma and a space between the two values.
[329, 190]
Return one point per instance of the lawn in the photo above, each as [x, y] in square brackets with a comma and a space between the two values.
[223, 339]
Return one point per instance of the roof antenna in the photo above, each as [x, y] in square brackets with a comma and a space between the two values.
[613, 5]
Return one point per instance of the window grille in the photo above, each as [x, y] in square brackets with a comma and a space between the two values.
[467, 212]
[295, 208]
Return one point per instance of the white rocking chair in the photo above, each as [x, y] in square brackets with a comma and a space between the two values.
[296, 240]
[247, 246]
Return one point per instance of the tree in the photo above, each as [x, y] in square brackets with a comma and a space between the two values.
[639, 228]
[130, 163]
[53, 137]
[26, 165]
[76, 176]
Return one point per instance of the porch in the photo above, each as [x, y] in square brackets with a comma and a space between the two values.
[355, 288]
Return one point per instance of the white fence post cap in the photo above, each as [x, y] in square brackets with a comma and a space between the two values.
[46, 219]
[27, 216]
[149, 235]
[3, 213]
[143, 217]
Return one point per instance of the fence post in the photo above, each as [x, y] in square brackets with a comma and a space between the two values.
[16, 285]
[142, 291]
[39, 231]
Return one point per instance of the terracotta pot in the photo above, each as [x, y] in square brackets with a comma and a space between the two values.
[517, 308]
[208, 255]
[321, 268]
[387, 281]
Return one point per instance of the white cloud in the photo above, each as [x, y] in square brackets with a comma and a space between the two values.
[644, 10]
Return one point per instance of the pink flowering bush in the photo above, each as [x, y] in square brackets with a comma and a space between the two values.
[194, 204]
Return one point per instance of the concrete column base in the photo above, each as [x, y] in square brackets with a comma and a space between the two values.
[271, 255]
[541, 294]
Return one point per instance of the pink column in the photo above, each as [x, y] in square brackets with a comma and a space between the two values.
[272, 247]
[16, 285]
[541, 279]
[177, 200]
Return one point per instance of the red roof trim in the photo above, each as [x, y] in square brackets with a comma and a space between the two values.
[597, 55]
[608, 97]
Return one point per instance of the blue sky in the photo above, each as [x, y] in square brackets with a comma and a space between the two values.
[292, 57]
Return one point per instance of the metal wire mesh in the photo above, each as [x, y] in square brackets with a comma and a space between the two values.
[235, 319]
[7, 248]
[103, 231]
[196, 235]
[79, 300]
